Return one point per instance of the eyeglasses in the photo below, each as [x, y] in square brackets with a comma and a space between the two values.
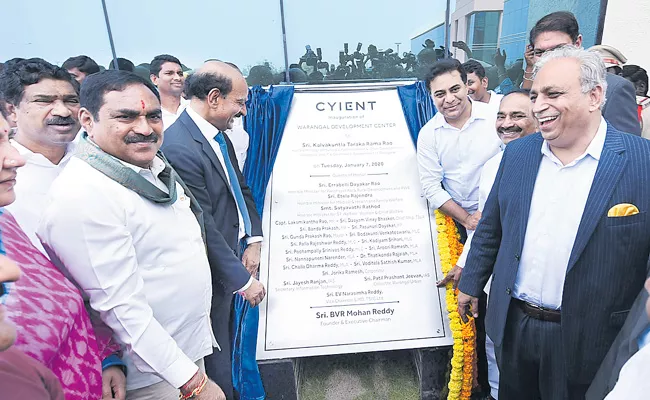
[4, 292]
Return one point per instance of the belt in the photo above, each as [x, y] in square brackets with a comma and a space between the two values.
[537, 312]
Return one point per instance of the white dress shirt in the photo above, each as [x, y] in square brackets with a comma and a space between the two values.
[169, 117]
[556, 208]
[209, 131]
[239, 138]
[454, 157]
[32, 185]
[488, 175]
[495, 101]
[142, 265]
[633, 382]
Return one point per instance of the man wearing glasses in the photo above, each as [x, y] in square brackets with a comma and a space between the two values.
[560, 29]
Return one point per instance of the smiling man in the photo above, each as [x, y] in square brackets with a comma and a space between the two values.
[127, 231]
[477, 85]
[43, 101]
[167, 75]
[564, 233]
[455, 144]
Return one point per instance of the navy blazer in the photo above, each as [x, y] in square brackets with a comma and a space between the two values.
[620, 109]
[607, 266]
[193, 158]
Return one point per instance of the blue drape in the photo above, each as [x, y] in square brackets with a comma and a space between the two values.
[265, 121]
[417, 106]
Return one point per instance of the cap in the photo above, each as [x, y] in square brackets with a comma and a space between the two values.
[611, 56]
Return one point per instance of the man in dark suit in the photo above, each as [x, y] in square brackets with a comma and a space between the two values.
[565, 234]
[560, 29]
[625, 346]
[205, 159]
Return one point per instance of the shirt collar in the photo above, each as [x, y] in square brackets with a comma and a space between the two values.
[157, 166]
[595, 148]
[478, 112]
[207, 129]
[38, 158]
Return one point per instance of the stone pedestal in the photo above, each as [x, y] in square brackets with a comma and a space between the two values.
[431, 366]
[280, 378]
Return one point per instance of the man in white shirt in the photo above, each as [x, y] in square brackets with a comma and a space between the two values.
[477, 85]
[167, 74]
[455, 144]
[128, 233]
[45, 111]
[565, 235]
[514, 120]
[205, 159]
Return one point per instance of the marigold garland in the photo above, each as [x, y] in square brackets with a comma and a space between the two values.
[463, 362]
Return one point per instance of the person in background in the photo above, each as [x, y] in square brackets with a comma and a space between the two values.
[639, 78]
[55, 328]
[561, 29]
[123, 64]
[565, 216]
[514, 120]
[477, 85]
[80, 67]
[167, 74]
[122, 225]
[204, 158]
[43, 100]
[614, 60]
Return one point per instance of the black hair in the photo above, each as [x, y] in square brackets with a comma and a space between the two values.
[473, 66]
[444, 66]
[122, 64]
[16, 76]
[97, 85]
[561, 21]
[84, 64]
[199, 84]
[156, 64]
[634, 74]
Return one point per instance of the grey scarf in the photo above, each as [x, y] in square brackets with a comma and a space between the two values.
[125, 176]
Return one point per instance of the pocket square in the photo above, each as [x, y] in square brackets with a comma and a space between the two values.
[622, 210]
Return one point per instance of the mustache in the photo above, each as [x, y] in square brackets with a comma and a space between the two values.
[138, 138]
[61, 121]
[511, 129]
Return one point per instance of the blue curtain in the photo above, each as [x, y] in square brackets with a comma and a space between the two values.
[417, 106]
[265, 121]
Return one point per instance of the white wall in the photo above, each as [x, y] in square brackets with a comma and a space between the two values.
[626, 28]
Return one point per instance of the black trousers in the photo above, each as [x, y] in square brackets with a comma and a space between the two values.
[218, 365]
[531, 361]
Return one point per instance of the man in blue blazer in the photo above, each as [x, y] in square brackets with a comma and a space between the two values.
[205, 159]
[564, 233]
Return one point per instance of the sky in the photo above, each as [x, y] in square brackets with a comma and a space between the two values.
[246, 32]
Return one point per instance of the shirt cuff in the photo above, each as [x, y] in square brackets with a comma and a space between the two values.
[180, 372]
[254, 239]
[439, 198]
[245, 287]
[114, 361]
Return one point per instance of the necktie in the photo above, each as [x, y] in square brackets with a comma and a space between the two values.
[234, 183]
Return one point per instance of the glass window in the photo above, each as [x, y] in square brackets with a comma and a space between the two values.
[362, 39]
[247, 33]
[483, 34]
[54, 30]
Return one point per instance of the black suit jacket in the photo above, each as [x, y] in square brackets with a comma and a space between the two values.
[193, 158]
[620, 109]
[607, 266]
[624, 347]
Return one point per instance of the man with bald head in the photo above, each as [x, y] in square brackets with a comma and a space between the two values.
[205, 159]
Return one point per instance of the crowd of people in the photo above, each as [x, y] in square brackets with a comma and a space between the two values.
[556, 239]
[121, 252]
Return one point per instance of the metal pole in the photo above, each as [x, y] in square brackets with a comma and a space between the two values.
[110, 34]
[447, 33]
[284, 44]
